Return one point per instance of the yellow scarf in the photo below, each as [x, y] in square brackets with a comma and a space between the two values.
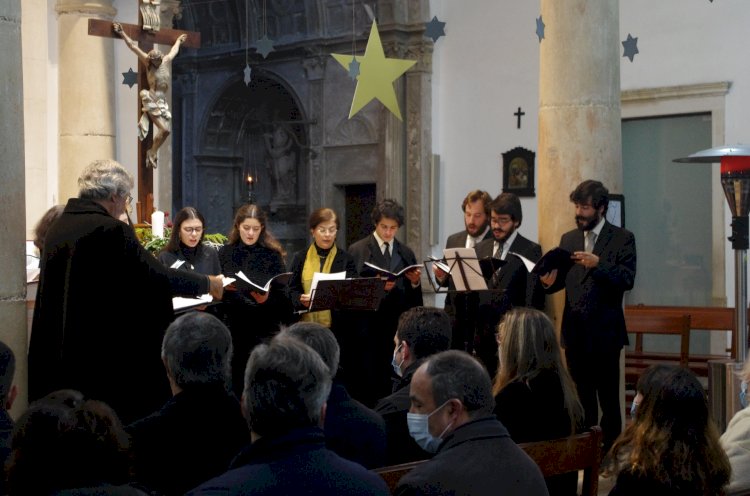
[311, 266]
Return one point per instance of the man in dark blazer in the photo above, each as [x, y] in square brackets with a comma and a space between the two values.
[352, 430]
[593, 322]
[381, 248]
[451, 415]
[284, 401]
[517, 286]
[462, 307]
[104, 302]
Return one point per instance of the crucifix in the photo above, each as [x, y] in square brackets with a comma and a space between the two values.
[154, 78]
[519, 114]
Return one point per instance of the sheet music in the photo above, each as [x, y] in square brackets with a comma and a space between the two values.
[321, 276]
[177, 264]
[528, 263]
[474, 281]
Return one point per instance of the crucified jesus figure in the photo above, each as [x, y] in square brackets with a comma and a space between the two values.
[154, 106]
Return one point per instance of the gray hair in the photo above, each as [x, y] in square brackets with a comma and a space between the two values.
[319, 338]
[102, 179]
[457, 375]
[7, 369]
[197, 348]
[286, 386]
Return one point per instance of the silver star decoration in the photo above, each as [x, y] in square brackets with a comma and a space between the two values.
[354, 68]
[540, 29]
[631, 47]
[434, 29]
[130, 78]
[248, 72]
[264, 46]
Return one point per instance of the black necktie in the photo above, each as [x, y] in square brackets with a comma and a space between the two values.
[387, 256]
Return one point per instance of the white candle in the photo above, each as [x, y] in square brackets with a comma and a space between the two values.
[157, 224]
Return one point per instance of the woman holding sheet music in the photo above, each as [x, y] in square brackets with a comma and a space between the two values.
[251, 315]
[185, 249]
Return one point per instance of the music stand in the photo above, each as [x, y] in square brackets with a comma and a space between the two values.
[348, 294]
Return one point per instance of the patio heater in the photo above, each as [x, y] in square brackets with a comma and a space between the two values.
[723, 384]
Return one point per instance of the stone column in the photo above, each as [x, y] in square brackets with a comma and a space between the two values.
[86, 89]
[13, 281]
[579, 111]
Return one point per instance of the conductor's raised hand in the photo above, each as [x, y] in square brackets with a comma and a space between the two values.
[548, 279]
[216, 286]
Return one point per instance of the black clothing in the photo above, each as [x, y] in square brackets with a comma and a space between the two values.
[191, 439]
[203, 259]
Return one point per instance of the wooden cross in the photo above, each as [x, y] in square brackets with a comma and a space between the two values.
[146, 41]
[519, 114]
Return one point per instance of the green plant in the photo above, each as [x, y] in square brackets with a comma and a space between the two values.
[155, 245]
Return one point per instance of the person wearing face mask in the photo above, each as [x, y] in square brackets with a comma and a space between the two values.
[736, 442]
[252, 316]
[421, 332]
[451, 416]
[593, 322]
[518, 287]
[186, 245]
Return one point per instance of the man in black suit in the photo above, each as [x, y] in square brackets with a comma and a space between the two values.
[593, 322]
[462, 307]
[518, 287]
[381, 248]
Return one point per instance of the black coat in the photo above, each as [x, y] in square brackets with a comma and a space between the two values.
[593, 318]
[295, 463]
[354, 431]
[191, 439]
[477, 458]
[204, 259]
[102, 307]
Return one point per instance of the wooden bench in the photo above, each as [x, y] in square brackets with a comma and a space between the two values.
[570, 454]
[711, 319]
[638, 323]
[393, 473]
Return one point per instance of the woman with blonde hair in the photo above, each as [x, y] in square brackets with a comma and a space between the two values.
[672, 446]
[535, 397]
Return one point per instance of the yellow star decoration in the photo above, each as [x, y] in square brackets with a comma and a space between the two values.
[376, 75]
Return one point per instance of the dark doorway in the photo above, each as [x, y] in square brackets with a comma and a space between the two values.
[360, 200]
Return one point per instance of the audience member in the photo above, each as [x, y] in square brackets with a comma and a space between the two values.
[672, 446]
[535, 398]
[451, 415]
[104, 301]
[284, 402]
[186, 245]
[351, 429]
[200, 429]
[421, 332]
[736, 441]
[41, 228]
[382, 249]
[8, 392]
[64, 445]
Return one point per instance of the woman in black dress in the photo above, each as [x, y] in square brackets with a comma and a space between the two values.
[185, 249]
[251, 315]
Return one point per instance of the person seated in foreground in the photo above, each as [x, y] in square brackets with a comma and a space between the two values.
[451, 416]
[284, 402]
[198, 431]
[421, 332]
[352, 430]
[672, 446]
[736, 441]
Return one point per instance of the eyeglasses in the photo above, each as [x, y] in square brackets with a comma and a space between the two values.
[323, 230]
[501, 220]
[191, 230]
[128, 200]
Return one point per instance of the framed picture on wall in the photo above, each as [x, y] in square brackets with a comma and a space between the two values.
[518, 172]
[616, 210]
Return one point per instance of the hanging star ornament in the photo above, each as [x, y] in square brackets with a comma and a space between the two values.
[631, 47]
[376, 75]
[540, 29]
[434, 29]
[248, 74]
[264, 46]
[130, 78]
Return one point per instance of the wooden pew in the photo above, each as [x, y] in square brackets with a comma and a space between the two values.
[393, 473]
[570, 454]
[640, 323]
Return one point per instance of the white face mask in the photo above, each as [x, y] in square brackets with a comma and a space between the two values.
[419, 430]
[397, 365]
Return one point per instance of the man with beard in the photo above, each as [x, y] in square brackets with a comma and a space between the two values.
[593, 322]
[511, 285]
[462, 307]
